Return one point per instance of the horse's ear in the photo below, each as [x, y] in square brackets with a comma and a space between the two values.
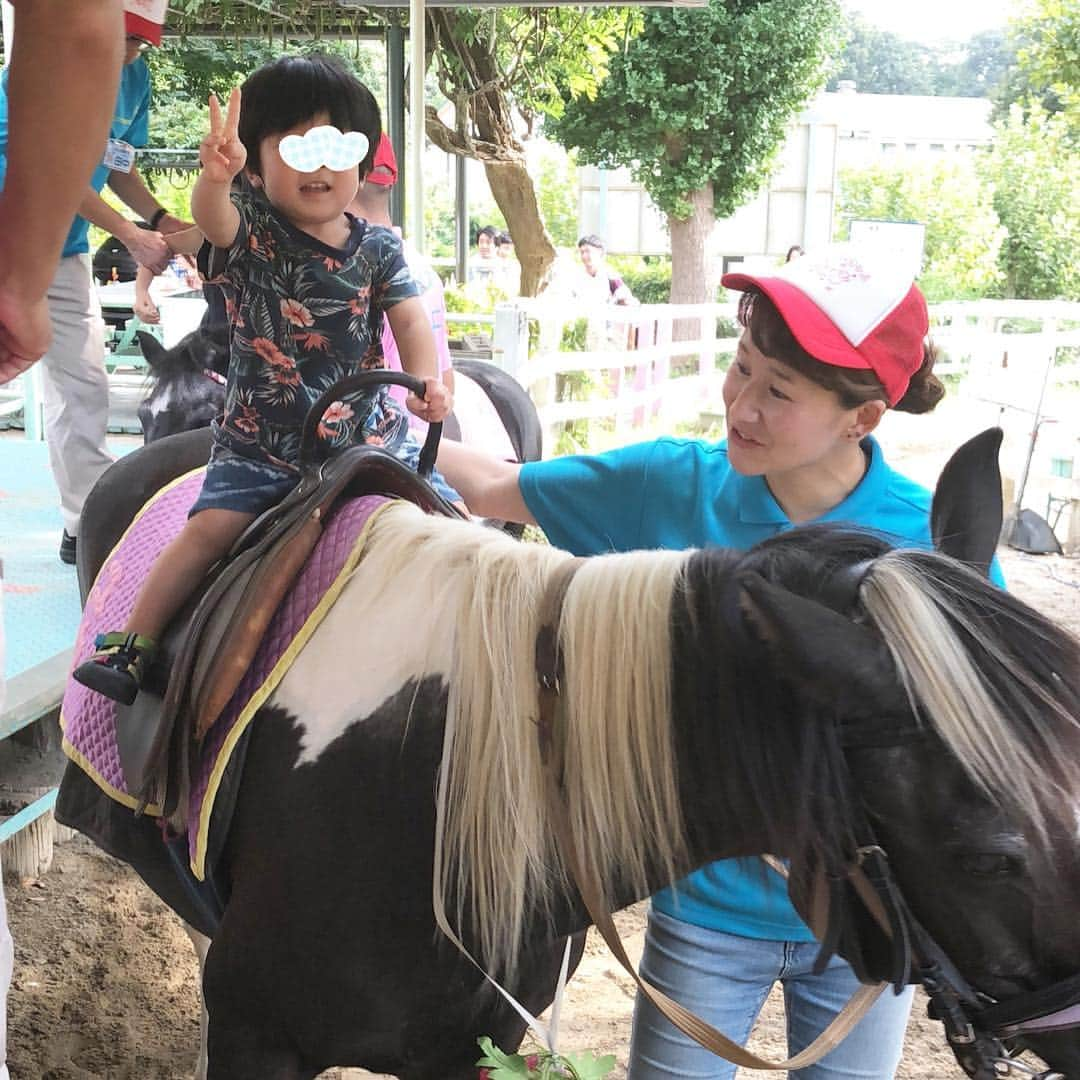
[835, 661]
[150, 347]
[965, 520]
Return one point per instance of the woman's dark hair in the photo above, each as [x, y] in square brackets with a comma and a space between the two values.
[591, 240]
[292, 89]
[853, 386]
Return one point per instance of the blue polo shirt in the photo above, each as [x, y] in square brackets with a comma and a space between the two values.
[680, 493]
[130, 123]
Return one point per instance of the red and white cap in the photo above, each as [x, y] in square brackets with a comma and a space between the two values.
[850, 306]
[145, 18]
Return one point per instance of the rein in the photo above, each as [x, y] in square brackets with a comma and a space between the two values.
[976, 1026]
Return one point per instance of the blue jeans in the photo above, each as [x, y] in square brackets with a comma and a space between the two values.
[725, 980]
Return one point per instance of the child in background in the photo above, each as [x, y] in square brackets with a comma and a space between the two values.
[307, 285]
[182, 244]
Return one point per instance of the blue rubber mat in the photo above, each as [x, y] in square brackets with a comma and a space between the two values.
[41, 594]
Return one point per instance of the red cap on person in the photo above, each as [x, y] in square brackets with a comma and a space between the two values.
[850, 306]
[145, 19]
[384, 167]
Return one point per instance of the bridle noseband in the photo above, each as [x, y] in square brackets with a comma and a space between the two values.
[977, 1026]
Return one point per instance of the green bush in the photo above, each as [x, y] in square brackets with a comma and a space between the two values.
[648, 277]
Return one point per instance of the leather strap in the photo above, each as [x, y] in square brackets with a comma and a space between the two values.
[549, 666]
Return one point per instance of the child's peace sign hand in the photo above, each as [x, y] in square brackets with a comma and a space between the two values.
[222, 153]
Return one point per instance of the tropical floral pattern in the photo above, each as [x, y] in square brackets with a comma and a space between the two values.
[303, 316]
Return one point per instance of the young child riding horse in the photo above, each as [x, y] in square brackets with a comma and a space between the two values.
[307, 285]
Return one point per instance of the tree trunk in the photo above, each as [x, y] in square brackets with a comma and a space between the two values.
[693, 279]
[513, 189]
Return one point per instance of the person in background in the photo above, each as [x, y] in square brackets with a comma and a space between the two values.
[184, 245]
[76, 387]
[597, 282]
[372, 203]
[56, 97]
[830, 343]
[484, 266]
[794, 252]
[508, 270]
[598, 287]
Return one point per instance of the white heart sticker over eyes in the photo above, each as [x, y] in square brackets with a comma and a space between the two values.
[324, 145]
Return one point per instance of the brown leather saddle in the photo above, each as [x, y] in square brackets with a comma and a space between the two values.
[210, 645]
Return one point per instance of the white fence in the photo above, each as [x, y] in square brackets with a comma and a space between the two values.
[623, 367]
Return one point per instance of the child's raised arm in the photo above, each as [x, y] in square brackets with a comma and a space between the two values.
[222, 155]
[416, 346]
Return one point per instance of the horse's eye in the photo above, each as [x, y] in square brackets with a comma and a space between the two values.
[990, 865]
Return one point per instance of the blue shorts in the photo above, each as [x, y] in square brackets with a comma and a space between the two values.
[235, 482]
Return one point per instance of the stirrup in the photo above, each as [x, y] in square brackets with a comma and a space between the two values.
[118, 666]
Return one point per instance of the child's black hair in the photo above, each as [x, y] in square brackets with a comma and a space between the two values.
[292, 89]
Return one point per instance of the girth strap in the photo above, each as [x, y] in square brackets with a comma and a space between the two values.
[549, 669]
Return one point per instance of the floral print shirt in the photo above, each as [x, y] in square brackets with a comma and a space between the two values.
[302, 316]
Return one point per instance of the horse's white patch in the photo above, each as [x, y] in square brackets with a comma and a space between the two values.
[383, 631]
[160, 400]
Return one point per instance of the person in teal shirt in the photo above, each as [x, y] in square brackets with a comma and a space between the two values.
[831, 341]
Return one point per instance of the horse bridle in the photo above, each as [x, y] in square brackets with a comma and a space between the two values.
[976, 1025]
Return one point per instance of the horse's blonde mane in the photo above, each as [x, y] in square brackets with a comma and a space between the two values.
[1009, 749]
[495, 858]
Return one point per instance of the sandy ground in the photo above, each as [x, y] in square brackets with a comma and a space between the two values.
[105, 980]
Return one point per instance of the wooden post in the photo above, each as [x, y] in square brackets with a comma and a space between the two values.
[29, 852]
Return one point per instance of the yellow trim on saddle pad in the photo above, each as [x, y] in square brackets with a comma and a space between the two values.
[130, 801]
[269, 685]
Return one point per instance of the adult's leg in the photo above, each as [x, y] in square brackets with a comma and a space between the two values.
[872, 1049]
[721, 977]
[76, 388]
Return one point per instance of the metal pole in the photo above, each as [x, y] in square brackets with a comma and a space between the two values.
[395, 111]
[417, 31]
[461, 218]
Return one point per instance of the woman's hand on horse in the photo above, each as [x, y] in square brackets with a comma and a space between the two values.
[222, 153]
[436, 403]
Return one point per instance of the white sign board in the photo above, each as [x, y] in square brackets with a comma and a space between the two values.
[905, 238]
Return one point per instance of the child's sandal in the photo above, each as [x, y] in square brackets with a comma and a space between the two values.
[118, 667]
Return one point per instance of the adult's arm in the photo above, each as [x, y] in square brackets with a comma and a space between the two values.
[65, 65]
[488, 485]
[133, 192]
[148, 248]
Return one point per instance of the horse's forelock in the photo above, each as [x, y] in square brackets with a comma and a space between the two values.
[999, 683]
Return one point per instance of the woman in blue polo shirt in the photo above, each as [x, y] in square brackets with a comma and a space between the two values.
[831, 341]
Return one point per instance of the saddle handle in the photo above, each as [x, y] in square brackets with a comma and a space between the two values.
[353, 384]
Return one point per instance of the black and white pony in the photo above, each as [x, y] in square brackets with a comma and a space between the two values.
[791, 699]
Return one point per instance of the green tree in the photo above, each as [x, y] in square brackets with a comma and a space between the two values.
[185, 72]
[881, 62]
[982, 68]
[556, 189]
[1051, 50]
[1033, 167]
[698, 105]
[502, 69]
[963, 234]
